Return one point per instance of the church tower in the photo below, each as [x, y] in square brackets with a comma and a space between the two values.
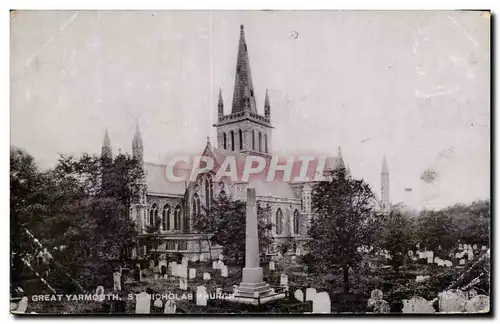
[244, 129]
[384, 190]
[138, 206]
[106, 150]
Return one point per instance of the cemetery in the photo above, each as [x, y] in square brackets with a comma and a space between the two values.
[284, 284]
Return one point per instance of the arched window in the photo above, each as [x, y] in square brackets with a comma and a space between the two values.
[209, 192]
[166, 218]
[153, 215]
[177, 218]
[279, 222]
[224, 140]
[296, 218]
[260, 142]
[265, 143]
[241, 139]
[232, 141]
[253, 140]
[196, 204]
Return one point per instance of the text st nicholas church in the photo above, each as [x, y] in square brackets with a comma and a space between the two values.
[242, 132]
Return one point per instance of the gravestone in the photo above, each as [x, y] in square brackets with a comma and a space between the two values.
[421, 278]
[165, 276]
[202, 257]
[221, 257]
[294, 260]
[22, 306]
[375, 296]
[224, 272]
[417, 305]
[117, 283]
[472, 293]
[310, 293]
[201, 296]
[478, 304]
[448, 263]
[218, 291]
[284, 279]
[220, 265]
[272, 266]
[99, 291]
[381, 307]
[182, 271]
[192, 273]
[215, 264]
[151, 264]
[474, 247]
[206, 276]
[484, 248]
[170, 307]
[142, 303]
[322, 304]
[470, 255]
[460, 247]
[183, 284]
[158, 303]
[299, 295]
[451, 302]
[462, 261]
[195, 258]
[185, 262]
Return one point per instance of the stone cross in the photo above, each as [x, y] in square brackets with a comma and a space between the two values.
[310, 293]
[142, 303]
[321, 303]
[170, 307]
[201, 296]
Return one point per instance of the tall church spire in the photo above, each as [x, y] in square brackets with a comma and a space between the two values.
[106, 150]
[384, 188]
[267, 106]
[220, 104]
[137, 147]
[339, 163]
[243, 78]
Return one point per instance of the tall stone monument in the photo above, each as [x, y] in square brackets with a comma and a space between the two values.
[252, 285]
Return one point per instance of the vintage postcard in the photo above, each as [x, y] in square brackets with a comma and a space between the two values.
[250, 162]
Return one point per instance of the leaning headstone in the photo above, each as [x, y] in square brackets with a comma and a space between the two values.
[183, 284]
[206, 276]
[478, 304]
[201, 296]
[215, 265]
[272, 266]
[284, 280]
[299, 295]
[451, 302]
[192, 273]
[142, 303]
[117, 283]
[417, 305]
[310, 293]
[170, 307]
[22, 306]
[224, 272]
[158, 303]
[322, 304]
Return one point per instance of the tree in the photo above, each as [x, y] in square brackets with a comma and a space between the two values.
[396, 236]
[436, 230]
[224, 224]
[343, 221]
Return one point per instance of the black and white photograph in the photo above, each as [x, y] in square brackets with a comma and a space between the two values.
[250, 162]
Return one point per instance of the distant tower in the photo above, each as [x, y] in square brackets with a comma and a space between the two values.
[106, 151]
[137, 147]
[138, 206]
[384, 190]
[244, 129]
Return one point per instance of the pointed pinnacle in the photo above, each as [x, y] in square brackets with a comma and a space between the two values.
[266, 102]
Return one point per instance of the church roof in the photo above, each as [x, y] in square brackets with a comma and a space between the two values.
[277, 189]
[158, 183]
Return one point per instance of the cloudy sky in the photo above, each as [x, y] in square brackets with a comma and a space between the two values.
[414, 86]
